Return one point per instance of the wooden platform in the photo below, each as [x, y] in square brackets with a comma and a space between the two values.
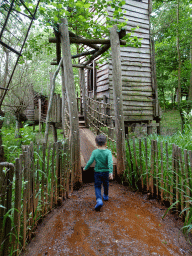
[87, 145]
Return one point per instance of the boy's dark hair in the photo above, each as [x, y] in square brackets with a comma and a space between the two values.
[100, 139]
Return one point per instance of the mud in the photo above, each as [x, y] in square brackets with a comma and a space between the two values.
[128, 224]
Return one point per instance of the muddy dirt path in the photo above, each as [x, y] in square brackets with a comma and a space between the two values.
[128, 224]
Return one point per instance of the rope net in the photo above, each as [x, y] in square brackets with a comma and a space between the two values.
[100, 120]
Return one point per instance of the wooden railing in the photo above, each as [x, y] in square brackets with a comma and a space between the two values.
[40, 179]
[99, 120]
[162, 170]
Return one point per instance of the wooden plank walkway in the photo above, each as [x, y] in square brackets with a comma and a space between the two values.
[87, 145]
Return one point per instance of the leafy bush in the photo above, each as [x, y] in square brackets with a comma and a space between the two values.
[12, 145]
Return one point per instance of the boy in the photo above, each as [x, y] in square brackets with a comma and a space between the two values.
[103, 169]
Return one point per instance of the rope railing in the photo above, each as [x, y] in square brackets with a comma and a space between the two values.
[100, 119]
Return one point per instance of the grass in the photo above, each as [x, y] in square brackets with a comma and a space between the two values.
[171, 119]
[13, 145]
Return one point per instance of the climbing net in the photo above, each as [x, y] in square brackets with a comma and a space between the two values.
[100, 119]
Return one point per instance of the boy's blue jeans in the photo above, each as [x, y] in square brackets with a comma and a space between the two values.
[101, 177]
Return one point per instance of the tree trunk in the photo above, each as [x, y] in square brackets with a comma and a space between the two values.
[179, 56]
[72, 103]
[63, 99]
[17, 129]
[190, 85]
[51, 101]
[118, 101]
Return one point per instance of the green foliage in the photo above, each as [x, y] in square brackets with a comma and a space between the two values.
[12, 145]
[167, 29]
[138, 167]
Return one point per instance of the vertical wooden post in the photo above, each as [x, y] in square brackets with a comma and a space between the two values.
[187, 185]
[63, 99]
[71, 97]
[54, 129]
[39, 101]
[157, 168]
[8, 224]
[162, 183]
[135, 155]
[182, 180]
[118, 101]
[177, 175]
[152, 166]
[43, 179]
[47, 179]
[25, 199]
[172, 174]
[84, 95]
[17, 213]
[52, 176]
[146, 162]
[141, 166]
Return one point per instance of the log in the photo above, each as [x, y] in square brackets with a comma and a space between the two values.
[89, 42]
[71, 96]
[118, 101]
[51, 101]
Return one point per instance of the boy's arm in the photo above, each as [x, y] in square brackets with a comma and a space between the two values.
[91, 159]
[110, 162]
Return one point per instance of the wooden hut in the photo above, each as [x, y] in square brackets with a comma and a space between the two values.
[37, 110]
[140, 98]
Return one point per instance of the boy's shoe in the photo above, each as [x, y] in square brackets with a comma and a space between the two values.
[105, 198]
[98, 205]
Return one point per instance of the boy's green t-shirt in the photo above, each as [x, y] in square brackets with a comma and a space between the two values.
[103, 159]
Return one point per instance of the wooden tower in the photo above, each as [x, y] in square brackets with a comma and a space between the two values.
[139, 89]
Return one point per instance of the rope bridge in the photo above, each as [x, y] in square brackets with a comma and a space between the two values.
[100, 120]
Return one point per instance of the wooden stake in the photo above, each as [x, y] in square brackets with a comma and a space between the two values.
[162, 183]
[182, 180]
[157, 168]
[52, 176]
[187, 198]
[152, 167]
[172, 174]
[167, 177]
[141, 171]
[177, 175]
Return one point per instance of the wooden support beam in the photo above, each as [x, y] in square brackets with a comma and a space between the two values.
[99, 52]
[83, 54]
[89, 42]
[76, 40]
[118, 101]
[58, 48]
[72, 103]
[81, 66]
[84, 96]
[94, 46]
[75, 65]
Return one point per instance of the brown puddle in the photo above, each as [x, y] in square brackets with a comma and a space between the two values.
[127, 224]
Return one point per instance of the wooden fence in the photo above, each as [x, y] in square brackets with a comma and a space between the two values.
[161, 169]
[39, 181]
